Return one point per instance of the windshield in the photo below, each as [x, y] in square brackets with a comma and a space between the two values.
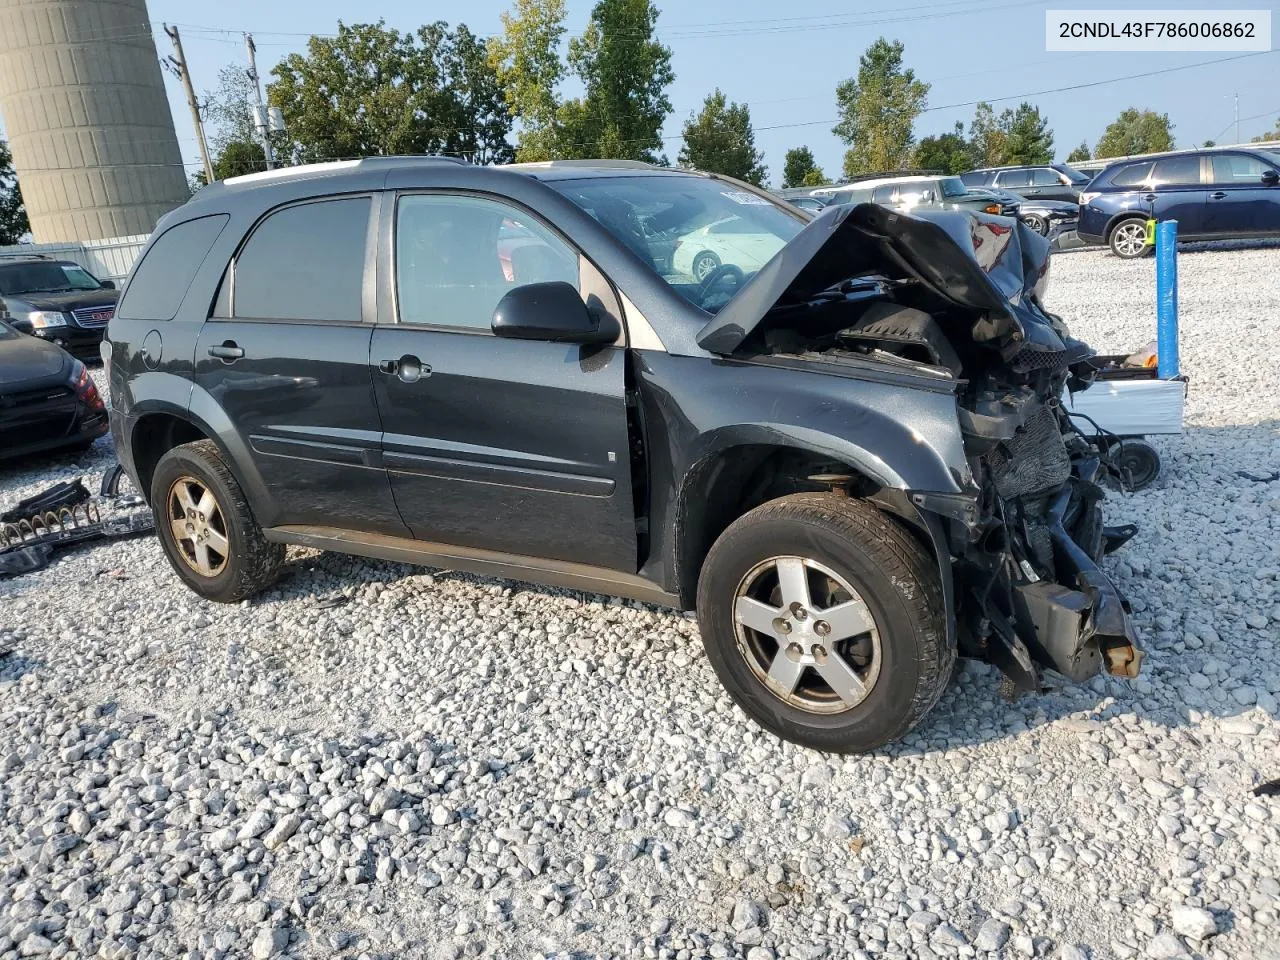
[7, 332]
[704, 237]
[953, 187]
[36, 277]
[1074, 175]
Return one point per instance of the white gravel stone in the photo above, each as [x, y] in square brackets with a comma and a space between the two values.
[562, 769]
[1194, 922]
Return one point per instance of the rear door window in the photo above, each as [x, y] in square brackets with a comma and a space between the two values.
[305, 262]
[1176, 172]
[160, 281]
[1131, 176]
[1015, 178]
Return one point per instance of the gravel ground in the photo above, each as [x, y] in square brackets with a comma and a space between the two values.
[379, 760]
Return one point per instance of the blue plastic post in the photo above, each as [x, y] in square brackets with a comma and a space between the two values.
[1167, 298]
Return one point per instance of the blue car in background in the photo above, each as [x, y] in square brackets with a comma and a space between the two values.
[1213, 194]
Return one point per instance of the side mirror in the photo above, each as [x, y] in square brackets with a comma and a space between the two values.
[1270, 178]
[108, 284]
[23, 326]
[554, 312]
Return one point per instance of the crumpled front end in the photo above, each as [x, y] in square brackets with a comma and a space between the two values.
[962, 295]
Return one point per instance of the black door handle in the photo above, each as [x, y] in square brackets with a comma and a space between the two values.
[408, 368]
[227, 350]
[1149, 197]
[1217, 195]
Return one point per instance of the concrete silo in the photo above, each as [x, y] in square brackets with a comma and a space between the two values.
[85, 114]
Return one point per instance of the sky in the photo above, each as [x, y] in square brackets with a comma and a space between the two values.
[784, 60]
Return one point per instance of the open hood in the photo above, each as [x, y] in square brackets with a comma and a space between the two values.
[993, 266]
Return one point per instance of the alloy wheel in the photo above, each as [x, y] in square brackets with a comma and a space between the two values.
[199, 529]
[703, 266]
[807, 635]
[1129, 238]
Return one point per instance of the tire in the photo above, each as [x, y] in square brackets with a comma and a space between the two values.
[903, 661]
[1037, 223]
[1138, 462]
[703, 264]
[1125, 236]
[237, 560]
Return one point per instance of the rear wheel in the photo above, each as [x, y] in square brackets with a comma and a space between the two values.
[824, 621]
[704, 264]
[1137, 462]
[206, 528]
[1129, 239]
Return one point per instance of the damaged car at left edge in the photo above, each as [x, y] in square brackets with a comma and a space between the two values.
[842, 440]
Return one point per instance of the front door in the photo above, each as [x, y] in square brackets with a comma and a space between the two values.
[286, 356]
[1240, 204]
[1177, 193]
[508, 445]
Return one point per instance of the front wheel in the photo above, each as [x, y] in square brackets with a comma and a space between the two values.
[705, 264]
[1129, 239]
[824, 620]
[1037, 223]
[206, 527]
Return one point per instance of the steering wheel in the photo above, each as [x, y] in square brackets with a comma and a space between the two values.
[717, 277]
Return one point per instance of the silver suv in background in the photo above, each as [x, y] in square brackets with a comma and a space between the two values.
[910, 193]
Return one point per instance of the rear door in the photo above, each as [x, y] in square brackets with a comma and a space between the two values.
[285, 354]
[1177, 192]
[1239, 203]
[508, 445]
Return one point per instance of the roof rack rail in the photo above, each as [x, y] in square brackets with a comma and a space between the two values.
[25, 256]
[625, 164]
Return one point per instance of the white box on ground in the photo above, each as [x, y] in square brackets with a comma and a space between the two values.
[1130, 408]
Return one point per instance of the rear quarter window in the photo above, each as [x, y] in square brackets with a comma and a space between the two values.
[160, 281]
[1133, 175]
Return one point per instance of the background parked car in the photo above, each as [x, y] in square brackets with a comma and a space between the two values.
[913, 193]
[48, 401]
[1055, 181]
[733, 241]
[56, 300]
[1049, 218]
[1213, 194]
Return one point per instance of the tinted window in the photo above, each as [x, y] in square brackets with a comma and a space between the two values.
[975, 179]
[952, 187]
[1238, 168]
[883, 194]
[1044, 177]
[1177, 171]
[1075, 176]
[305, 263]
[1015, 178]
[1132, 175]
[456, 257]
[160, 281]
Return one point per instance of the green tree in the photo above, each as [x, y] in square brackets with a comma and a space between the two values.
[1080, 153]
[1135, 131]
[1028, 137]
[13, 215]
[948, 152]
[373, 91]
[799, 167]
[720, 140]
[989, 142]
[238, 157]
[626, 73]
[526, 61]
[623, 70]
[1270, 135]
[878, 109]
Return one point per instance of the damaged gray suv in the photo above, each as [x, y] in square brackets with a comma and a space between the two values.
[841, 442]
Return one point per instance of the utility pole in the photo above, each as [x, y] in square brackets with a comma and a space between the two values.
[261, 118]
[178, 64]
[1237, 140]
